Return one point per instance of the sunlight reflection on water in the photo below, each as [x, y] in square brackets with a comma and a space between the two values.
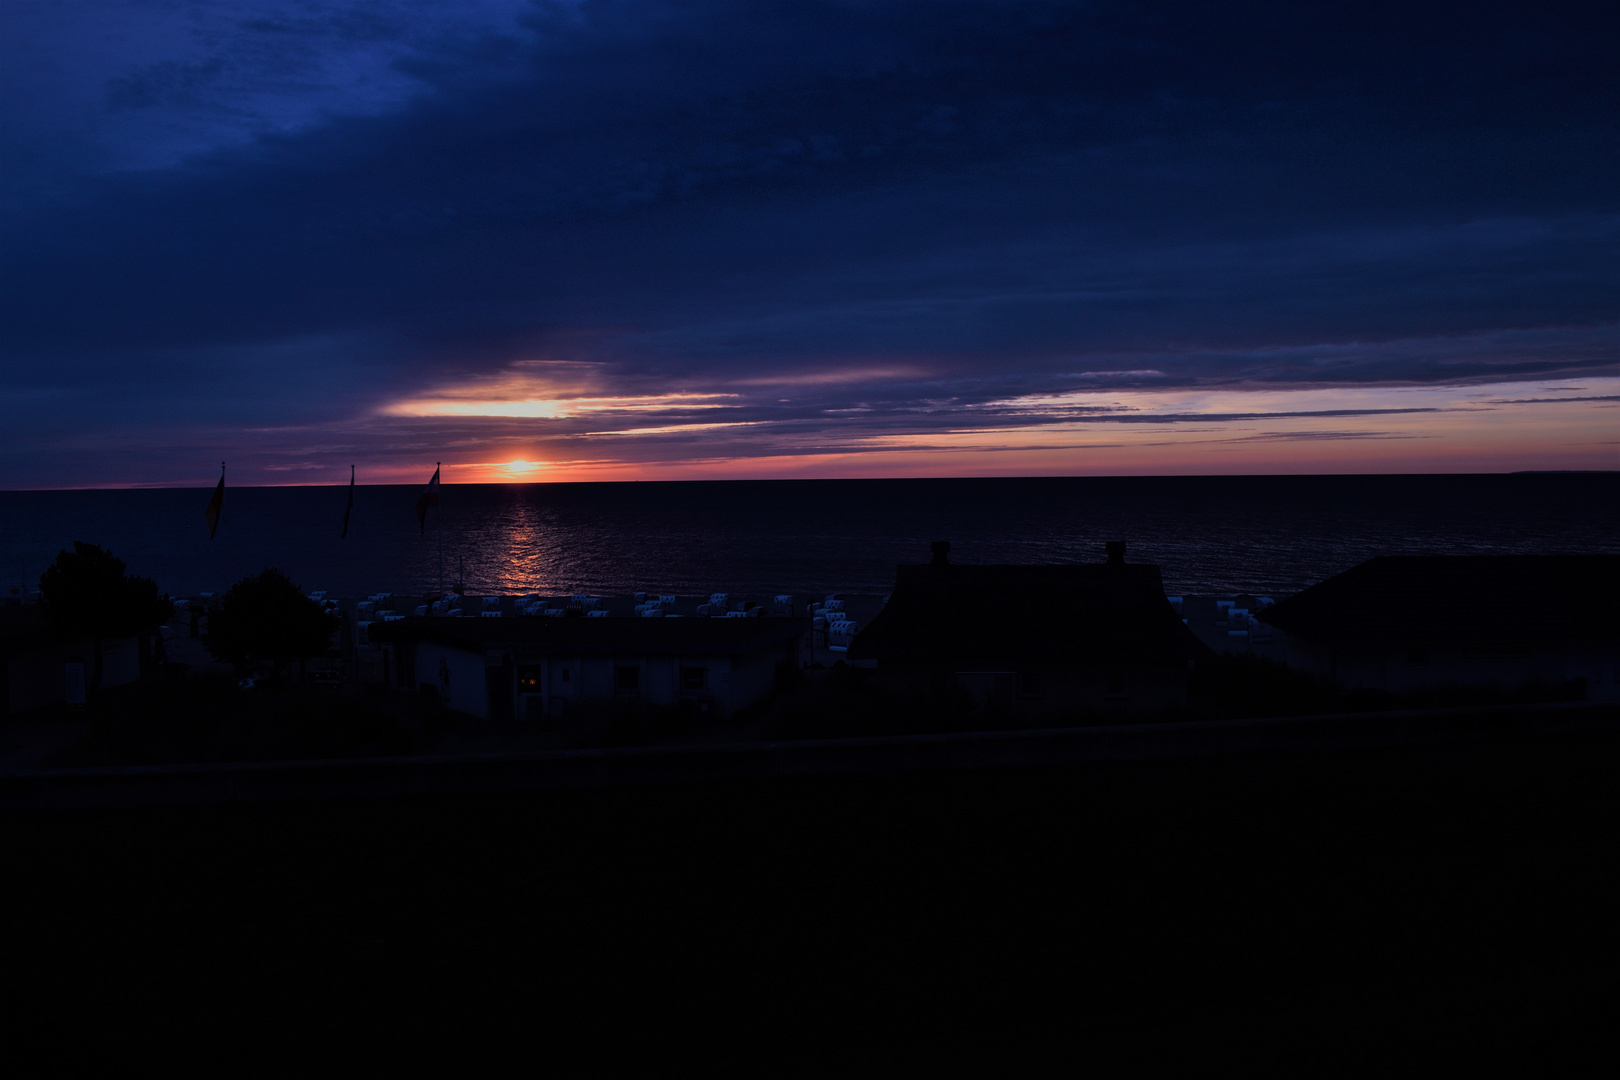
[1213, 534]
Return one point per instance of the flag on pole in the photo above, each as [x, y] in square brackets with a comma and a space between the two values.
[429, 497]
[216, 504]
[347, 510]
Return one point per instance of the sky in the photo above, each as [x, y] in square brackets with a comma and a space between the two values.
[646, 240]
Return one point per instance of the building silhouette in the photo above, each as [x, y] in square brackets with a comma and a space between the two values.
[540, 668]
[1414, 622]
[1033, 640]
[42, 666]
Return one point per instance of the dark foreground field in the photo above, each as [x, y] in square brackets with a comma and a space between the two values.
[1315, 909]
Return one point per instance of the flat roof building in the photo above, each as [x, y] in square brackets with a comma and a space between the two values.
[41, 666]
[540, 668]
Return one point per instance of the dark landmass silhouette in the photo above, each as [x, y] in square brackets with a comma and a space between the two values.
[1340, 907]
[1272, 865]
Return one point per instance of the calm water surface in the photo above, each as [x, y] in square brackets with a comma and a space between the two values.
[1209, 534]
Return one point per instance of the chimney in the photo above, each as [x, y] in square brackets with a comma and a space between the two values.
[1116, 552]
[942, 552]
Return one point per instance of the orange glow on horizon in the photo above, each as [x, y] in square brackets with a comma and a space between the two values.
[1497, 428]
[1505, 427]
[547, 408]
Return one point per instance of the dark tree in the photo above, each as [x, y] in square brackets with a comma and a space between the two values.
[86, 592]
[266, 617]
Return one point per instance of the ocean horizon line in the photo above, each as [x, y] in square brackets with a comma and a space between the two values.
[716, 481]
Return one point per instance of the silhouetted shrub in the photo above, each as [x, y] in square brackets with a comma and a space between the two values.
[87, 591]
[266, 618]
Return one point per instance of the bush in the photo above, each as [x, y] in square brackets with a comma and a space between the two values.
[87, 591]
[266, 618]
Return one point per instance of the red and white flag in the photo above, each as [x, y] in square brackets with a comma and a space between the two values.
[429, 497]
[349, 509]
[216, 504]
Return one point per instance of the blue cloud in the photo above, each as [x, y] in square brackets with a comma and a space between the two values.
[997, 198]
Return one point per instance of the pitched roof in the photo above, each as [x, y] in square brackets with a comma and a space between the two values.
[599, 636]
[1063, 614]
[1430, 599]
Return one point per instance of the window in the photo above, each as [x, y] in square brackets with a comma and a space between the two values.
[694, 678]
[529, 678]
[565, 674]
[1029, 684]
[626, 679]
[1116, 685]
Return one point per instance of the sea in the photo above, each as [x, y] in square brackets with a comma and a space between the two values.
[1209, 535]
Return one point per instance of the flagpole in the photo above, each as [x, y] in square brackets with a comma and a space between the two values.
[348, 507]
[438, 527]
[220, 569]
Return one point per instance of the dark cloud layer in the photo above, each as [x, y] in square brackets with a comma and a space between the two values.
[300, 213]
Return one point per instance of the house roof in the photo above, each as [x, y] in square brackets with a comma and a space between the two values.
[1434, 599]
[599, 636]
[1048, 614]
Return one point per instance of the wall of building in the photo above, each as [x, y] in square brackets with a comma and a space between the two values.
[455, 675]
[1128, 688]
[1403, 670]
[659, 680]
[120, 662]
[1038, 692]
[37, 678]
[751, 678]
[562, 684]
